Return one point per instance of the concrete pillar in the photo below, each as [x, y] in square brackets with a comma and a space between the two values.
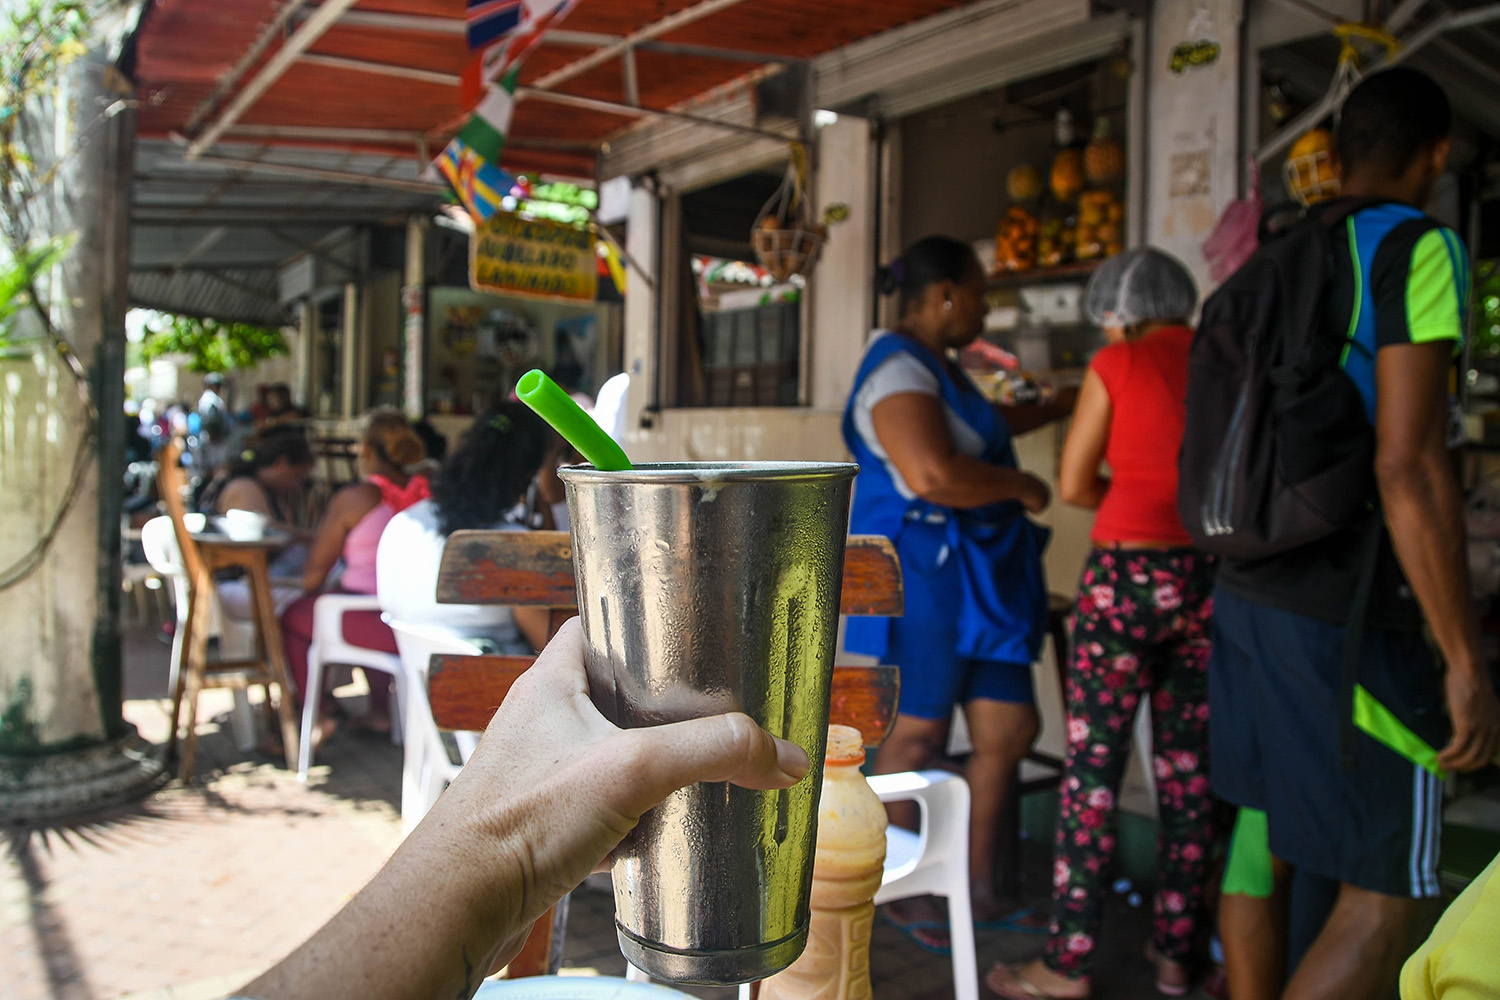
[64, 747]
[414, 321]
[1193, 145]
[307, 353]
[349, 354]
[842, 288]
[642, 306]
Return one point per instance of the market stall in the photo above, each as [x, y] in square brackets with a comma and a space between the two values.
[1036, 175]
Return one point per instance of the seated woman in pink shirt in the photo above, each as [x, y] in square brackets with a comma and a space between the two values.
[350, 530]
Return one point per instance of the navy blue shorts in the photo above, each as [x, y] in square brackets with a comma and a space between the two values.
[1275, 691]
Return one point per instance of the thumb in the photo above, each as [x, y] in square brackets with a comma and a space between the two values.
[718, 748]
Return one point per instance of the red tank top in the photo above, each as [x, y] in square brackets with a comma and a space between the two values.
[1147, 384]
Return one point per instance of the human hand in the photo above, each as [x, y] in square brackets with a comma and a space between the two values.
[553, 786]
[1476, 721]
[550, 791]
[1035, 496]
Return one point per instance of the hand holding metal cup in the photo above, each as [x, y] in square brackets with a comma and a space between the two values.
[707, 588]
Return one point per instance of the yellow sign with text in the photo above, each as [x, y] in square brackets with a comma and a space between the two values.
[540, 259]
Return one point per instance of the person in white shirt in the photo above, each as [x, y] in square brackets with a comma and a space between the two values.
[609, 406]
[479, 483]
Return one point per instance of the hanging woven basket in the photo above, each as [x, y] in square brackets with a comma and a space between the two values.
[785, 238]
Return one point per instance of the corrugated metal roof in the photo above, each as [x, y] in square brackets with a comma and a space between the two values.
[184, 47]
[208, 235]
[247, 295]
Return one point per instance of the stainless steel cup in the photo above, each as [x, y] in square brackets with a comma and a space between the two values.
[708, 588]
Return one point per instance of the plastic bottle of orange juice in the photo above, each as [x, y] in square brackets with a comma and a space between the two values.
[847, 866]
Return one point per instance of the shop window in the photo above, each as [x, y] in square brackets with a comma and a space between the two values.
[738, 332]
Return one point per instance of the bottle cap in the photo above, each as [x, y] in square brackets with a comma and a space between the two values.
[845, 746]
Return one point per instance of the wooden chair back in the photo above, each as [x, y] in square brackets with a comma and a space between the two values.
[535, 569]
[171, 483]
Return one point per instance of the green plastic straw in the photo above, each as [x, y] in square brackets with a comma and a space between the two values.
[556, 407]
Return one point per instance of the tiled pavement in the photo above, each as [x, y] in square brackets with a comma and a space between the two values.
[190, 893]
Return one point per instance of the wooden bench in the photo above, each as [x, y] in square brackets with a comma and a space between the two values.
[535, 569]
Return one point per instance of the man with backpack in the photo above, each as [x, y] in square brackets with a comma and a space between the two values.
[1318, 387]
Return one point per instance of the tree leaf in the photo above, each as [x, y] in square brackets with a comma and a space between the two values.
[212, 346]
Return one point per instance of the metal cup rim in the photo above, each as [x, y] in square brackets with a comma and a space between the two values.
[703, 473]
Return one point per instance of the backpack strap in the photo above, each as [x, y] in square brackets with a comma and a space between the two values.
[1354, 635]
[1330, 215]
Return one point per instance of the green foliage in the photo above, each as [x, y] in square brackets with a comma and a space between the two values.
[18, 284]
[50, 33]
[1487, 311]
[38, 39]
[212, 346]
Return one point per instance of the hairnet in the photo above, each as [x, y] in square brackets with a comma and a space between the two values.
[1138, 285]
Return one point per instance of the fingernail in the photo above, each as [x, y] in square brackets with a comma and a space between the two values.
[792, 760]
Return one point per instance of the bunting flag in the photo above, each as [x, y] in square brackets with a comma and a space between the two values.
[480, 185]
[490, 20]
[497, 59]
[612, 263]
[506, 31]
[485, 130]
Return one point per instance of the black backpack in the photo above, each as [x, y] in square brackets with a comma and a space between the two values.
[1277, 451]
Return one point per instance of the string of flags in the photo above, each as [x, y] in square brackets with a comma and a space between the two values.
[502, 32]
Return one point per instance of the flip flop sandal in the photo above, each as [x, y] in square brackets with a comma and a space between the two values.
[913, 928]
[1019, 987]
[1016, 923]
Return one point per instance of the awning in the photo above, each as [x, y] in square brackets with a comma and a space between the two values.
[383, 75]
[266, 122]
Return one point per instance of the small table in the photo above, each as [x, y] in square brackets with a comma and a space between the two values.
[219, 551]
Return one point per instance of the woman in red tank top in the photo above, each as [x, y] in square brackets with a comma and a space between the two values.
[1140, 630]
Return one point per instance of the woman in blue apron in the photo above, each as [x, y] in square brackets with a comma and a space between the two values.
[938, 477]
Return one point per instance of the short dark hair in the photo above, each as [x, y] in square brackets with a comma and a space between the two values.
[926, 262]
[1390, 119]
[274, 444]
[277, 443]
[488, 473]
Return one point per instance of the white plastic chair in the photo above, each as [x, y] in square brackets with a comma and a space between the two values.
[236, 636]
[934, 860]
[427, 768]
[329, 646]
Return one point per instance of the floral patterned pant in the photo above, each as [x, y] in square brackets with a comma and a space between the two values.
[1140, 627]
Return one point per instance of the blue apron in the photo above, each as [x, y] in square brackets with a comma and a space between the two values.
[1001, 593]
